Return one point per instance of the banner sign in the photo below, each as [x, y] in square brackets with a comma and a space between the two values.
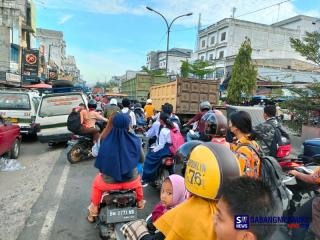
[30, 65]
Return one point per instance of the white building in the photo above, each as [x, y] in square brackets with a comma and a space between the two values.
[54, 47]
[70, 67]
[221, 41]
[157, 60]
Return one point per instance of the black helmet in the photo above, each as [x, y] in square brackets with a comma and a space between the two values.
[92, 103]
[183, 153]
[137, 105]
[215, 123]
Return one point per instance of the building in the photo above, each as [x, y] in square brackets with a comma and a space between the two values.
[70, 68]
[53, 47]
[221, 41]
[157, 60]
[17, 34]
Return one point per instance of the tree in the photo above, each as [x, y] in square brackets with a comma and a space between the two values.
[309, 47]
[153, 73]
[306, 102]
[200, 68]
[185, 69]
[244, 75]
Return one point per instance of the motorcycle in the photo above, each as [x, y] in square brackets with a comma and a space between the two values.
[116, 208]
[81, 147]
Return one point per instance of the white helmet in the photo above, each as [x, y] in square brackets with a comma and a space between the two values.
[113, 101]
[205, 105]
[149, 101]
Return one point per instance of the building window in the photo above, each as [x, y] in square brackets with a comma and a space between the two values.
[223, 36]
[202, 58]
[211, 56]
[203, 43]
[212, 40]
[221, 54]
[14, 53]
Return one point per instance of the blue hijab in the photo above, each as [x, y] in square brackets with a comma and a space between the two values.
[120, 152]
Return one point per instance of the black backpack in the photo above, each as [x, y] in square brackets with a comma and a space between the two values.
[74, 122]
[271, 173]
[280, 145]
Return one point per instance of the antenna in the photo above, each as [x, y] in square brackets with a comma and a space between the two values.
[234, 9]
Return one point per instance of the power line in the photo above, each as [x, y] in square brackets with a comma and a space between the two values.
[263, 8]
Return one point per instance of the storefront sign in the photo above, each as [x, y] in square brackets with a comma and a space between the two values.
[15, 78]
[53, 75]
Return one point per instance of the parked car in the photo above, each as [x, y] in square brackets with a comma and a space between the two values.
[20, 107]
[10, 139]
[53, 113]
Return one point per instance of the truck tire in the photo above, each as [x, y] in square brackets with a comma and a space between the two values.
[15, 150]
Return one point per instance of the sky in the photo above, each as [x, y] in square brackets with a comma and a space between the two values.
[108, 37]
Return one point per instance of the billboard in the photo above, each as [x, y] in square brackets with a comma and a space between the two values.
[30, 65]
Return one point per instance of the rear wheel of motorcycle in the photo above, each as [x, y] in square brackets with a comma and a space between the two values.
[75, 154]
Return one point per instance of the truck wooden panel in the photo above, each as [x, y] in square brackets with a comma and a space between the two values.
[185, 94]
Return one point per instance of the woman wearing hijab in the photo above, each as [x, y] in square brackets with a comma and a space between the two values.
[117, 161]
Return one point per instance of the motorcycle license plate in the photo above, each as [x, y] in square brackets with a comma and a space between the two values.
[121, 214]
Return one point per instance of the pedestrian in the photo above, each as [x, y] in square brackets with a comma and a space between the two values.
[117, 164]
[245, 147]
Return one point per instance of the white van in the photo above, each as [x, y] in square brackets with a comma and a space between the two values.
[53, 114]
[20, 107]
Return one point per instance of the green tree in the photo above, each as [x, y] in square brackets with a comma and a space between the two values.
[200, 68]
[185, 69]
[309, 47]
[306, 101]
[153, 73]
[244, 75]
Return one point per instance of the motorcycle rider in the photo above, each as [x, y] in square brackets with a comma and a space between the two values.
[126, 109]
[240, 125]
[266, 131]
[196, 135]
[252, 197]
[117, 165]
[306, 209]
[209, 167]
[111, 108]
[149, 110]
[88, 120]
[139, 113]
[160, 150]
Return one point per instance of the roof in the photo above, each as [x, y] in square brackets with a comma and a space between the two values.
[293, 19]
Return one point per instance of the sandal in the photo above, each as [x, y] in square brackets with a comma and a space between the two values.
[141, 204]
[92, 215]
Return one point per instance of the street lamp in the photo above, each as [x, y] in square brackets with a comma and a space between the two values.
[168, 30]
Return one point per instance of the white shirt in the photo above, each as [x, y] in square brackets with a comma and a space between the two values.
[164, 137]
[133, 121]
[154, 130]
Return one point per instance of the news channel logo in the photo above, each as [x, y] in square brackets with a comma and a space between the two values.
[241, 222]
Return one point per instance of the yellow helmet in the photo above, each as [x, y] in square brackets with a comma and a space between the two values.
[208, 167]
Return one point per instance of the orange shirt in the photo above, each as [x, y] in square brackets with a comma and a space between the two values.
[316, 175]
[248, 159]
[149, 110]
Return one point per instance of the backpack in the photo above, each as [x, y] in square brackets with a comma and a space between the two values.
[271, 173]
[177, 140]
[74, 122]
[280, 146]
[140, 120]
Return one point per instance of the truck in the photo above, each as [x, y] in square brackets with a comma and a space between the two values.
[137, 88]
[185, 95]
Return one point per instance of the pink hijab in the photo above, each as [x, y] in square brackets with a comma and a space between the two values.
[178, 189]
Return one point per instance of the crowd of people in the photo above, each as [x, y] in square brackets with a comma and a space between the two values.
[222, 179]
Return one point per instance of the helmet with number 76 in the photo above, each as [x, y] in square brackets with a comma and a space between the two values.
[208, 168]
